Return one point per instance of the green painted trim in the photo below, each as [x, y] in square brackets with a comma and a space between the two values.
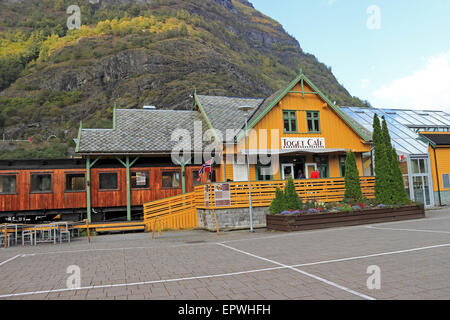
[339, 163]
[134, 161]
[77, 147]
[426, 140]
[88, 189]
[202, 111]
[183, 178]
[123, 163]
[128, 188]
[289, 119]
[271, 105]
[303, 89]
[304, 92]
[312, 119]
[301, 77]
[335, 108]
[95, 161]
[127, 166]
[114, 117]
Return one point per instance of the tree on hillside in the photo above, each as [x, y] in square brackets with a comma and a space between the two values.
[353, 191]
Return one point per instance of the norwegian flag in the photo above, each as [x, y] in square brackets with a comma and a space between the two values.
[206, 167]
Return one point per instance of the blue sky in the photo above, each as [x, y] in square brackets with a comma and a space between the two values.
[394, 53]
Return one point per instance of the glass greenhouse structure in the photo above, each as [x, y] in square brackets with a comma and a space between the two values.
[405, 127]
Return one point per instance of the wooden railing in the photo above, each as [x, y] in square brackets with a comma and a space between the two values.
[180, 212]
[263, 192]
[174, 213]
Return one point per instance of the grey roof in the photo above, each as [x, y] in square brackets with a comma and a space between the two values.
[263, 105]
[224, 113]
[402, 125]
[142, 131]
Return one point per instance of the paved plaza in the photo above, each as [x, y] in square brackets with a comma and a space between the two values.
[413, 258]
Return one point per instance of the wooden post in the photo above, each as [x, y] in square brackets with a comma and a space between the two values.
[6, 235]
[128, 189]
[88, 188]
[127, 166]
[183, 178]
[88, 231]
[215, 220]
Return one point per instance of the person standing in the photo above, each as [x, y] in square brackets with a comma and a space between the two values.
[315, 174]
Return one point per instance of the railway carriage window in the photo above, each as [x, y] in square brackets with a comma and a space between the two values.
[140, 180]
[75, 182]
[108, 181]
[41, 183]
[8, 184]
[170, 179]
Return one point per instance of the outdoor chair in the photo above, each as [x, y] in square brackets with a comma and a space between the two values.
[3, 240]
[64, 232]
[45, 233]
[31, 235]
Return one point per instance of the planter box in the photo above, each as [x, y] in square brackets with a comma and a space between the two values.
[311, 221]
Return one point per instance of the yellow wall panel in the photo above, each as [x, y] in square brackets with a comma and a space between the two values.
[443, 165]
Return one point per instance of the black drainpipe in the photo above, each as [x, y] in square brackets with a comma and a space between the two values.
[437, 176]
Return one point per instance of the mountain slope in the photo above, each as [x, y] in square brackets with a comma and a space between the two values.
[130, 53]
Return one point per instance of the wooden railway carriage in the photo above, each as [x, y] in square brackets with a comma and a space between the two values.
[43, 189]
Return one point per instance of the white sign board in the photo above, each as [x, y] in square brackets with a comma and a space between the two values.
[302, 143]
[222, 195]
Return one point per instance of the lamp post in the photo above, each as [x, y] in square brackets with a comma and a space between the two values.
[246, 109]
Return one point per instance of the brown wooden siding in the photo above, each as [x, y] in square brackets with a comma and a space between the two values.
[59, 198]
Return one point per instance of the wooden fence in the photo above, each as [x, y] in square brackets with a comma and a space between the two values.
[180, 212]
[263, 192]
[174, 213]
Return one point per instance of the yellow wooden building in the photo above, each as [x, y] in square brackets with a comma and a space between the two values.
[439, 150]
[298, 128]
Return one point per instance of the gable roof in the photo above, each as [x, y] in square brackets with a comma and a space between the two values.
[137, 131]
[223, 112]
[437, 139]
[274, 99]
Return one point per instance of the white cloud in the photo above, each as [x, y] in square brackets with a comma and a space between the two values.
[331, 2]
[426, 89]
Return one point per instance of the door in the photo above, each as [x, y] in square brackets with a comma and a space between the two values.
[287, 170]
[421, 190]
[240, 172]
[310, 168]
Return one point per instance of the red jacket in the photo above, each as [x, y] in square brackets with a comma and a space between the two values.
[315, 175]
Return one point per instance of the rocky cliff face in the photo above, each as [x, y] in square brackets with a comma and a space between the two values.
[219, 47]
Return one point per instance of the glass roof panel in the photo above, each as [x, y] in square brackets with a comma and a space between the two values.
[403, 139]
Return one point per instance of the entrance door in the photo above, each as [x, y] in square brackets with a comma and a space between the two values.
[310, 168]
[422, 192]
[240, 172]
[287, 170]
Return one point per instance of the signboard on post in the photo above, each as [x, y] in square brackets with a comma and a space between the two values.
[222, 195]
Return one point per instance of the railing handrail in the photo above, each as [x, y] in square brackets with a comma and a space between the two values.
[326, 189]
